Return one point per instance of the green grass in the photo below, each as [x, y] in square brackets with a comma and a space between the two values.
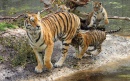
[1, 59]
[4, 26]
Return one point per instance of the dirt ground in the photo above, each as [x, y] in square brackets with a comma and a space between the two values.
[114, 50]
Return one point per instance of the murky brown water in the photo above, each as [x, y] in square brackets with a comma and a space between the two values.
[109, 77]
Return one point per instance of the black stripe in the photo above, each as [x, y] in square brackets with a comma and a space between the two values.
[66, 21]
[42, 43]
[31, 43]
[58, 24]
[38, 37]
[70, 24]
[94, 16]
[64, 50]
[72, 30]
[52, 26]
[66, 44]
[55, 25]
[74, 17]
[95, 13]
[98, 35]
[29, 37]
[93, 39]
[63, 22]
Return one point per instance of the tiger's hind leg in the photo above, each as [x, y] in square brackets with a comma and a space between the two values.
[84, 48]
[75, 55]
[39, 67]
[97, 51]
[65, 46]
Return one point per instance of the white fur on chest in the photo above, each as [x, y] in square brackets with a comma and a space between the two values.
[39, 45]
[100, 16]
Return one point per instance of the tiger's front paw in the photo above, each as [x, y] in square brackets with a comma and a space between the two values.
[75, 55]
[106, 21]
[49, 65]
[79, 56]
[58, 64]
[38, 69]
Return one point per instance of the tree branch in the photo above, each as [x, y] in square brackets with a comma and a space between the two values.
[120, 18]
[48, 5]
[4, 18]
[80, 2]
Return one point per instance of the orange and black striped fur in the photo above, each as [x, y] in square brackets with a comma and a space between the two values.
[89, 38]
[98, 14]
[42, 32]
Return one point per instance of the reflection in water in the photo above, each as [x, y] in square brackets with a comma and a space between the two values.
[118, 70]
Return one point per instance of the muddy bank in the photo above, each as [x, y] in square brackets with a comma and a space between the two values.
[115, 53]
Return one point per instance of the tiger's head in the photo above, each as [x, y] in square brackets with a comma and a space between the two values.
[78, 38]
[97, 6]
[32, 23]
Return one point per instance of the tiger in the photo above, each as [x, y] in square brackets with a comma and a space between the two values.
[89, 38]
[43, 32]
[98, 14]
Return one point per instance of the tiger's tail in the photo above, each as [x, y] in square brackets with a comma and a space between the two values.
[113, 31]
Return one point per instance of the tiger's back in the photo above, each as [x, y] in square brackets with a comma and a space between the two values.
[62, 25]
[89, 38]
[96, 37]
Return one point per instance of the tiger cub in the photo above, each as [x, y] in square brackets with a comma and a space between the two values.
[43, 32]
[89, 38]
[99, 13]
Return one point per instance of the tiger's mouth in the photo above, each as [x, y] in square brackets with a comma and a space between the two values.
[33, 30]
[30, 28]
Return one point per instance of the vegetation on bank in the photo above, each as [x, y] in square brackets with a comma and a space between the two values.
[4, 26]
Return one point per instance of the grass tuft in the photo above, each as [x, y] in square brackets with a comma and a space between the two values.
[4, 26]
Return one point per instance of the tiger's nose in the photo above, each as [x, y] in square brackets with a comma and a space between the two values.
[38, 27]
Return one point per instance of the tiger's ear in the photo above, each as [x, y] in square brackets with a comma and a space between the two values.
[100, 3]
[25, 15]
[39, 15]
[92, 3]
